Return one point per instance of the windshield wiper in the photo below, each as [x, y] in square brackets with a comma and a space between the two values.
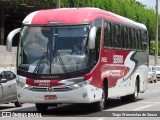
[39, 63]
[61, 61]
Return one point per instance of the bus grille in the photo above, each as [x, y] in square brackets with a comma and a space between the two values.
[45, 89]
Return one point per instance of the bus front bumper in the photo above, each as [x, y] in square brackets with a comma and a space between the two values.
[85, 94]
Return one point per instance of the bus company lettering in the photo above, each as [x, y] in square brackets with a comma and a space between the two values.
[118, 59]
[42, 82]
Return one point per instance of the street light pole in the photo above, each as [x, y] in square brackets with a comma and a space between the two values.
[156, 41]
[58, 3]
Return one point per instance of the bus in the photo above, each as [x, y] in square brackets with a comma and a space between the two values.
[80, 55]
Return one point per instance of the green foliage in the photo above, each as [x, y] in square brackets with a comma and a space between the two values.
[127, 8]
[152, 47]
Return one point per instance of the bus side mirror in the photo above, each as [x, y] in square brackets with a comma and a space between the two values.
[10, 39]
[92, 37]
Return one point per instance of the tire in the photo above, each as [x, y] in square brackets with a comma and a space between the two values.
[100, 105]
[133, 97]
[155, 80]
[41, 107]
[18, 104]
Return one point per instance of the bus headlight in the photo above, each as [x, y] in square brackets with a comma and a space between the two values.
[81, 84]
[23, 85]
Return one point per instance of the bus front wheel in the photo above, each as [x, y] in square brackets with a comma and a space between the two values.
[18, 104]
[100, 105]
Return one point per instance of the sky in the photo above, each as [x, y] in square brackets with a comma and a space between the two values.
[150, 3]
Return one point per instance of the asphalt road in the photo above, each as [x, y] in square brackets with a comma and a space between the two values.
[147, 105]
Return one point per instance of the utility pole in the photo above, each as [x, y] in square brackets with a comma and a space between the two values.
[156, 41]
[2, 27]
[58, 3]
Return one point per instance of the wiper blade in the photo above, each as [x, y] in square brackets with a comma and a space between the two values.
[39, 63]
[61, 61]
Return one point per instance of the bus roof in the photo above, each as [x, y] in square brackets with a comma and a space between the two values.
[76, 16]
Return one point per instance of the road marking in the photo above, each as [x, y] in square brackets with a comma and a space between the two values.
[140, 108]
[150, 102]
[100, 119]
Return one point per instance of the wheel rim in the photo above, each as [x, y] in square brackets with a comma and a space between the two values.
[136, 92]
[102, 103]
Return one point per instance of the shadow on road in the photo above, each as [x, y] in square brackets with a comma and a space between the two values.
[5, 107]
[75, 109]
[112, 103]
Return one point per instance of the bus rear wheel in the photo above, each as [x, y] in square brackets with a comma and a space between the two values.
[133, 97]
[41, 107]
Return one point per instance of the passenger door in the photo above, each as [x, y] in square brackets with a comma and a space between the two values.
[9, 87]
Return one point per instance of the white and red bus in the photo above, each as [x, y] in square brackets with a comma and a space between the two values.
[80, 55]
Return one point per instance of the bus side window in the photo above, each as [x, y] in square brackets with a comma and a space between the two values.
[139, 40]
[107, 34]
[94, 53]
[114, 36]
[126, 38]
[144, 40]
[98, 37]
[123, 36]
[118, 34]
[130, 38]
[136, 38]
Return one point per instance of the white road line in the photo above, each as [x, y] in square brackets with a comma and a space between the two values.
[140, 108]
[150, 102]
[100, 119]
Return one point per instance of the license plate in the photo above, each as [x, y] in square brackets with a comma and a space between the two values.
[50, 97]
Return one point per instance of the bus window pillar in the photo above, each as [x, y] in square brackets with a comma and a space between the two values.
[2, 27]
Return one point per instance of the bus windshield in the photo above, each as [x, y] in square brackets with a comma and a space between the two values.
[53, 50]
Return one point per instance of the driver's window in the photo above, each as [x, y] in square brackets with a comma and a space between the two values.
[2, 75]
[94, 53]
[10, 75]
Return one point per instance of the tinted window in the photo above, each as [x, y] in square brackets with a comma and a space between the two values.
[144, 40]
[107, 34]
[139, 40]
[9, 75]
[123, 36]
[98, 37]
[124, 33]
[94, 53]
[118, 36]
[131, 40]
[2, 75]
[136, 38]
[114, 36]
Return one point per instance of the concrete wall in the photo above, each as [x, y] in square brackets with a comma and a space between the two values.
[8, 59]
[152, 59]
